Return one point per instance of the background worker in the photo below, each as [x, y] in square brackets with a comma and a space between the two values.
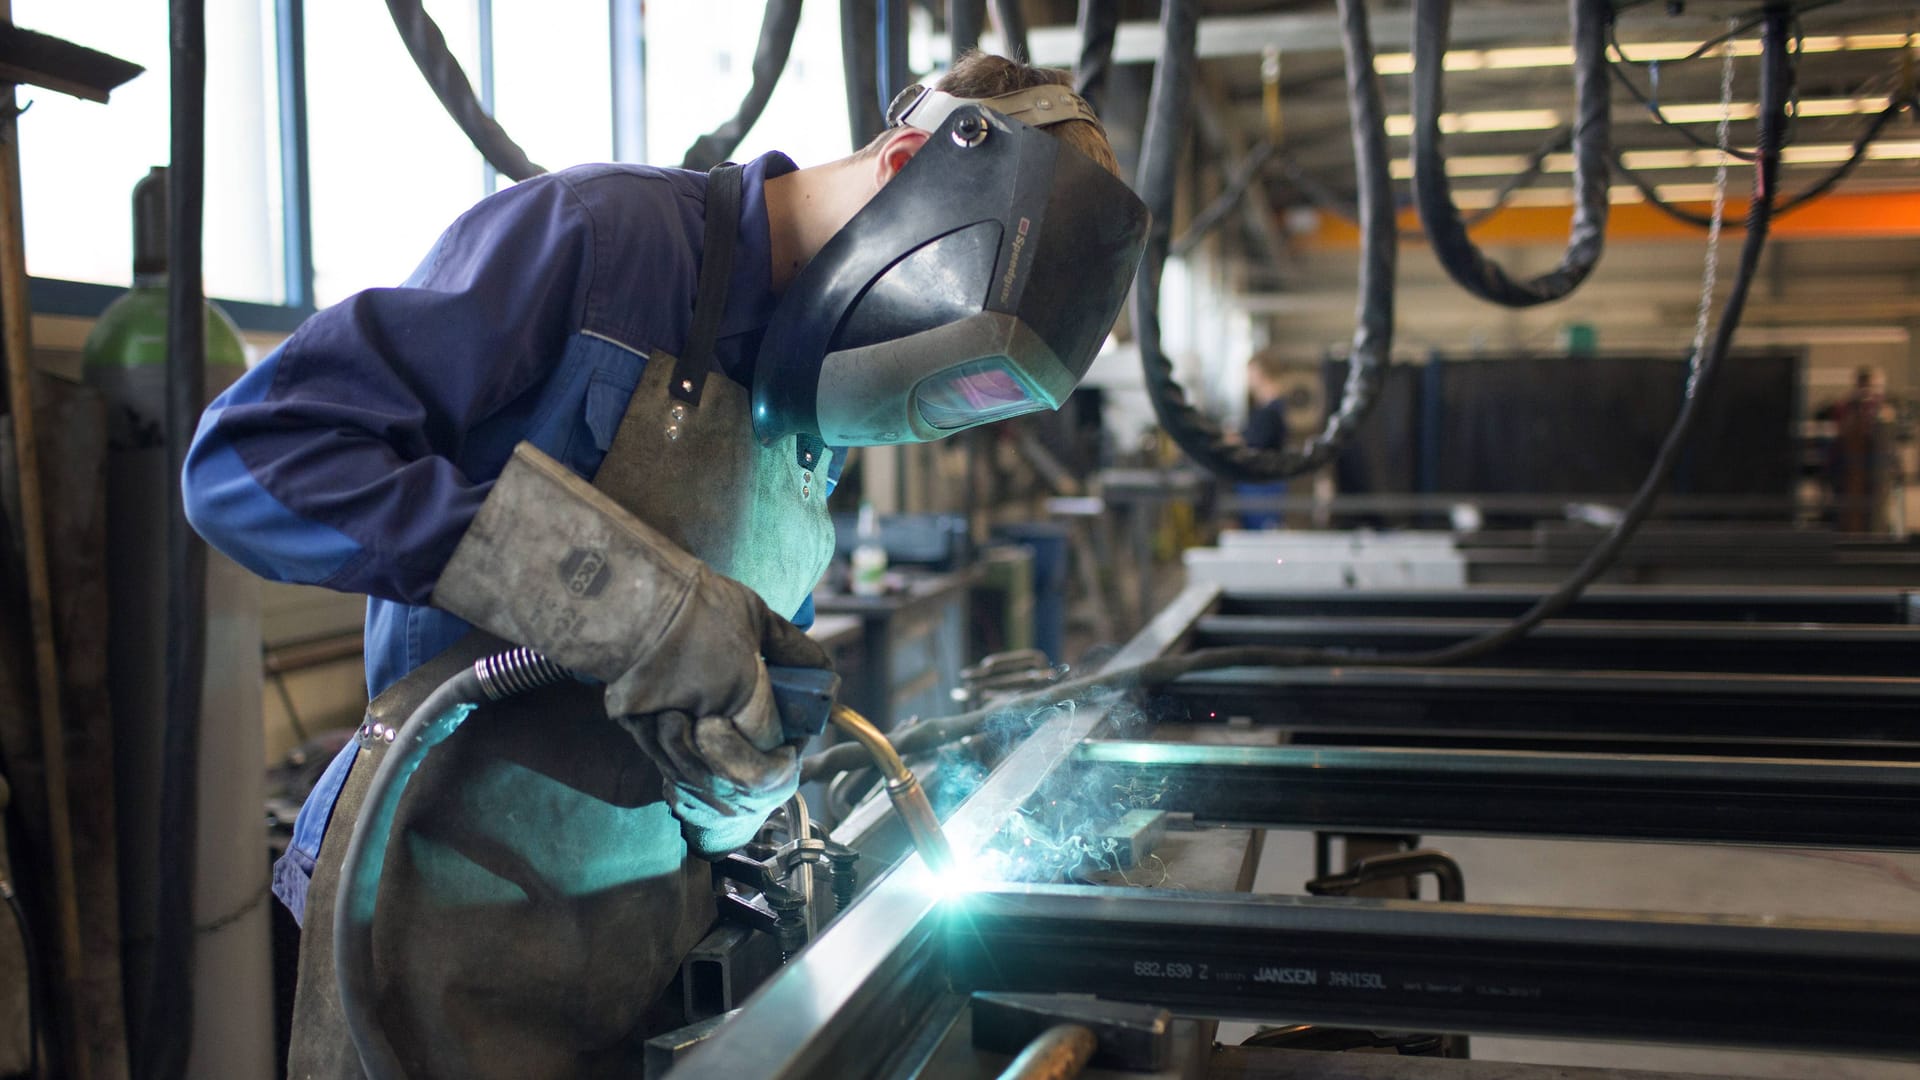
[697, 346]
[1265, 429]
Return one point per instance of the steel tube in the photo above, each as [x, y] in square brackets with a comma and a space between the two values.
[1637, 797]
[1608, 644]
[1638, 706]
[1825, 986]
[1060, 1053]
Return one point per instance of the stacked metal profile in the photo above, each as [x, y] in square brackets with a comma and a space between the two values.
[1643, 714]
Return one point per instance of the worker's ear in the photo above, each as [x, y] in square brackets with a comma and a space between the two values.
[895, 151]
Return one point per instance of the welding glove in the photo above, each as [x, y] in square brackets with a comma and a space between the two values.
[552, 563]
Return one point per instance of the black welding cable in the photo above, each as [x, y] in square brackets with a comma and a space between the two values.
[965, 20]
[1619, 61]
[1776, 79]
[490, 679]
[1433, 191]
[777, 29]
[30, 961]
[166, 1035]
[1660, 116]
[1239, 181]
[1099, 21]
[1013, 30]
[1263, 155]
[1812, 191]
[1196, 433]
[1325, 198]
[428, 47]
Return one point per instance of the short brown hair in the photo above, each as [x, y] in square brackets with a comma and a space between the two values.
[983, 75]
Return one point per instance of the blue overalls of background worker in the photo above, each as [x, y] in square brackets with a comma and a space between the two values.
[695, 345]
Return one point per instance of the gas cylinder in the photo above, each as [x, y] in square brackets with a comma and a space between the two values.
[125, 359]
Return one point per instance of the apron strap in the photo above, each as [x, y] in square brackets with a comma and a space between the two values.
[697, 359]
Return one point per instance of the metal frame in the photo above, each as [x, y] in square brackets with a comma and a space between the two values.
[1875, 716]
[886, 980]
[1451, 967]
[1763, 604]
[1713, 800]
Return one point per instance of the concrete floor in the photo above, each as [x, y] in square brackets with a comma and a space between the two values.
[1659, 877]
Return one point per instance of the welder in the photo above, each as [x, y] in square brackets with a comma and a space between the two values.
[703, 348]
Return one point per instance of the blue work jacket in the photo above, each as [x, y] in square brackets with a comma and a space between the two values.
[355, 455]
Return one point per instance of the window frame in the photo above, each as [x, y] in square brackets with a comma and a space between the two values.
[56, 296]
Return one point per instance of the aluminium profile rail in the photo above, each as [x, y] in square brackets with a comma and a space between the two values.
[890, 967]
[1716, 800]
[1563, 973]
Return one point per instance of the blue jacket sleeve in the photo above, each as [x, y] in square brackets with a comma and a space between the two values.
[334, 462]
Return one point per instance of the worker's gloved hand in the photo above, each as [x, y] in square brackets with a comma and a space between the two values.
[552, 563]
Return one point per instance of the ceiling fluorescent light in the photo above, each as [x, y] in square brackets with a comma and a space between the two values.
[1561, 56]
[1475, 123]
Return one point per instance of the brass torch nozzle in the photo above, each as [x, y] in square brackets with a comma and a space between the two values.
[903, 788]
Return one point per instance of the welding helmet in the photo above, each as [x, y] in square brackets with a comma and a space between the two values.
[977, 284]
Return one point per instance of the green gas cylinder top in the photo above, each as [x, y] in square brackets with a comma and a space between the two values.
[132, 332]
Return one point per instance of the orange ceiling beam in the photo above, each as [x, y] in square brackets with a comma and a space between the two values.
[1841, 216]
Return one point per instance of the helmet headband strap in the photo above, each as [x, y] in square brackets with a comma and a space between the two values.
[924, 109]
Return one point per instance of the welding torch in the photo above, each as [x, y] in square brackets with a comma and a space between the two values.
[804, 698]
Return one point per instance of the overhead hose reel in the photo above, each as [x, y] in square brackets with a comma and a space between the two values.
[1196, 433]
[1592, 133]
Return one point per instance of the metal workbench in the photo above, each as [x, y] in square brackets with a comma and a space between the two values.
[884, 990]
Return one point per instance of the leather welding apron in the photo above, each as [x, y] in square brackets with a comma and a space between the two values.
[538, 898]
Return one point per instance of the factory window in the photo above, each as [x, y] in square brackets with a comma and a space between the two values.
[388, 170]
[553, 78]
[302, 215]
[704, 45]
[80, 160]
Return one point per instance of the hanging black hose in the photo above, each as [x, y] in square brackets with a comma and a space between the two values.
[1433, 191]
[777, 29]
[1013, 30]
[168, 1028]
[859, 58]
[428, 47]
[891, 73]
[965, 20]
[1099, 22]
[1806, 195]
[1776, 81]
[1192, 430]
[30, 960]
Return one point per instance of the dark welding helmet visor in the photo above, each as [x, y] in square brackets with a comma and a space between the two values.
[976, 285]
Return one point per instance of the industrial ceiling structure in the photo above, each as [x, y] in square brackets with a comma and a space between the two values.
[1274, 72]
